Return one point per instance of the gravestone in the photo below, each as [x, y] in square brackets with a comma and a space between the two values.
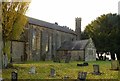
[1, 79]
[82, 76]
[96, 70]
[114, 64]
[32, 70]
[14, 76]
[52, 72]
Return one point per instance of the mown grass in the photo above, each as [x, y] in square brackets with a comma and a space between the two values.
[62, 69]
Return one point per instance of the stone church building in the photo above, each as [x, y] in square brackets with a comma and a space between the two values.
[79, 50]
[45, 41]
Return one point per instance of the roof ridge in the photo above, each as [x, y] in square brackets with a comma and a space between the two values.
[42, 20]
[81, 40]
[50, 25]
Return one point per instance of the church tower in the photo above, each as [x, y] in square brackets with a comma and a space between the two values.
[78, 28]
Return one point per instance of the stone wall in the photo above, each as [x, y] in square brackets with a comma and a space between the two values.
[43, 42]
[17, 51]
[77, 55]
[90, 52]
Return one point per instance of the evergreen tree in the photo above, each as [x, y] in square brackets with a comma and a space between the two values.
[105, 32]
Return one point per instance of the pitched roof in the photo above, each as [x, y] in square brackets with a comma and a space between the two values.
[50, 25]
[74, 45]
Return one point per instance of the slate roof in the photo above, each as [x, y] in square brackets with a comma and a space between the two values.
[49, 25]
[74, 45]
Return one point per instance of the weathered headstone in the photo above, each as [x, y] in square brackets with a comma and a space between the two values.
[114, 65]
[82, 76]
[32, 70]
[1, 79]
[52, 72]
[96, 69]
[14, 76]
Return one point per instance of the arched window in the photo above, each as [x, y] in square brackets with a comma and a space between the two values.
[33, 40]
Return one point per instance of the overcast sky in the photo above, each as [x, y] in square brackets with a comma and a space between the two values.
[65, 11]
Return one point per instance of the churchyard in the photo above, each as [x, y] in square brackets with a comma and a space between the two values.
[53, 70]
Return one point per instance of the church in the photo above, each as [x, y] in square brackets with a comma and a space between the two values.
[42, 40]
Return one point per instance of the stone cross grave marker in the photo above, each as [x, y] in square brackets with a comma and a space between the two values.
[32, 70]
[96, 69]
[82, 76]
[52, 72]
[14, 76]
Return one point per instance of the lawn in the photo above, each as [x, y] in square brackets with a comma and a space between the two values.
[62, 69]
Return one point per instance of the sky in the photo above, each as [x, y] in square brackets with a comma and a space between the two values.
[119, 7]
[64, 12]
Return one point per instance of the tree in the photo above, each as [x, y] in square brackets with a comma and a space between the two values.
[84, 35]
[0, 38]
[13, 22]
[105, 32]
